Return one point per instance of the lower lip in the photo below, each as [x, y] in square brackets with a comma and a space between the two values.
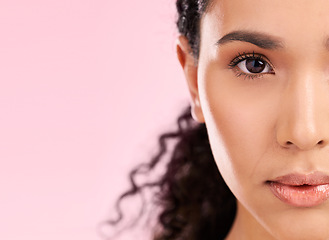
[300, 196]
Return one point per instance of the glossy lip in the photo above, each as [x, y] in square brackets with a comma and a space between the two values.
[301, 190]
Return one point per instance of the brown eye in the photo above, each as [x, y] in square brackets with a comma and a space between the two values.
[254, 66]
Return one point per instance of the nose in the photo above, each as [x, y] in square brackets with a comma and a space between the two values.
[304, 112]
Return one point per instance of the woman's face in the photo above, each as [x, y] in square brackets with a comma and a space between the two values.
[261, 85]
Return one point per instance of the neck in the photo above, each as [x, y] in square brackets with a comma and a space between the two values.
[246, 227]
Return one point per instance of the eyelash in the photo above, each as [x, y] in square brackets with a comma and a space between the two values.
[245, 56]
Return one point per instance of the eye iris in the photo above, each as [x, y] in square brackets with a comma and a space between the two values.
[255, 66]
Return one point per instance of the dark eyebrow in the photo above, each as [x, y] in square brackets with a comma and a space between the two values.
[261, 40]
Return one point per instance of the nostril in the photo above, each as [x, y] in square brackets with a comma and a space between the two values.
[304, 145]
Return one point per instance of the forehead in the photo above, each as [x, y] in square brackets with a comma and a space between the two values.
[303, 20]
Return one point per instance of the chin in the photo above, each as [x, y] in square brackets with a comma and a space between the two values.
[312, 234]
[302, 224]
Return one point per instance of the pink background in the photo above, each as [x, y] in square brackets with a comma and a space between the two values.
[86, 86]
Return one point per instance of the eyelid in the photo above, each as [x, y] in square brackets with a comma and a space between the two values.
[244, 56]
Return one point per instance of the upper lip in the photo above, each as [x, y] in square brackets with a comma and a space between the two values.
[298, 179]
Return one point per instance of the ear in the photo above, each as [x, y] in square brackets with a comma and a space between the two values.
[190, 67]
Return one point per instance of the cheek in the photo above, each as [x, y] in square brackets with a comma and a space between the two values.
[240, 125]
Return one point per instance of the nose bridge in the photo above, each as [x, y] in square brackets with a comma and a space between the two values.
[301, 122]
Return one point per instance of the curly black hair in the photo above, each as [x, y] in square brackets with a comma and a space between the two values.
[194, 199]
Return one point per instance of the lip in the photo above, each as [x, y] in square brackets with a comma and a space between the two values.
[301, 190]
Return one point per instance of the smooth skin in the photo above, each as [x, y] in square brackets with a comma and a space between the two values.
[268, 124]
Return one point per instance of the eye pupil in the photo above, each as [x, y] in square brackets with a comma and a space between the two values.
[255, 66]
